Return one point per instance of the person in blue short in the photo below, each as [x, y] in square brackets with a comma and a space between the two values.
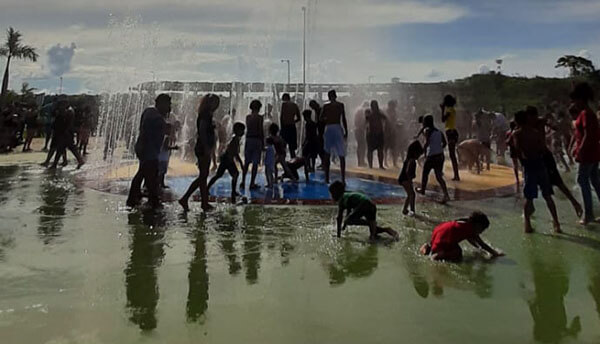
[530, 147]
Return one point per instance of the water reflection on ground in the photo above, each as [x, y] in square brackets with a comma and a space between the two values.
[79, 267]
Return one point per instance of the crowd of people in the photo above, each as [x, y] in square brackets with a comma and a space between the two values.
[535, 143]
[63, 126]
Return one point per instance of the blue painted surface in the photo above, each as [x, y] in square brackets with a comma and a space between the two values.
[314, 190]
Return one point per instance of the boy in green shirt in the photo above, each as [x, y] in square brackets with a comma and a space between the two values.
[361, 211]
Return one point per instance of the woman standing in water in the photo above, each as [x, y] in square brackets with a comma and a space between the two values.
[205, 143]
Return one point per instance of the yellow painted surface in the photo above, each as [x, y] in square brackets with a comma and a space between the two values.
[498, 177]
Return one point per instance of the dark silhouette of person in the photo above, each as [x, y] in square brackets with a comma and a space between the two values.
[64, 131]
[335, 134]
[255, 142]
[141, 280]
[392, 135]
[288, 117]
[452, 136]
[376, 124]
[360, 133]
[205, 144]
[314, 105]
[147, 148]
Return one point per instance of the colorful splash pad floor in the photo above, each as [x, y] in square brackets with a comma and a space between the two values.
[380, 185]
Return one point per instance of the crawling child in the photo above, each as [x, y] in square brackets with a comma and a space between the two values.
[446, 237]
[361, 211]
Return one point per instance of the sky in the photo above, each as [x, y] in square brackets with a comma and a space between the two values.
[110, 45]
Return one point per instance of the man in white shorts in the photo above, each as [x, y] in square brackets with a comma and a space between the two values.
[336, 133]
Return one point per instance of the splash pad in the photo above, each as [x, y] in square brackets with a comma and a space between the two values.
[380, 185]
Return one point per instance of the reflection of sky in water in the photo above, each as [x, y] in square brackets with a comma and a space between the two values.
[316, 189]
[82, 269]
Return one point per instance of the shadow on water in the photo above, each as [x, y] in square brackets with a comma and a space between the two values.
[227, 227]
[547, 305]
[415, 266]
[147, 252]
[7, 180]
[353, 261]
[197, 301]
[594, 281]
[54, 193]
[252, 243]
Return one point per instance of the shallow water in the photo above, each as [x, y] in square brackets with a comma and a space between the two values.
[75, 266]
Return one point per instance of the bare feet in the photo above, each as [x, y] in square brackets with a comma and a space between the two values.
[578, 209]
[184, 204]
[557, 228]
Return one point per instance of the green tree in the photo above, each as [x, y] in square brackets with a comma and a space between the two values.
[578, 66]
[14, 48]
[27, 95]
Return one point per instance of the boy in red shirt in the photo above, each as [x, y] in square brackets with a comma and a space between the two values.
[446, 237]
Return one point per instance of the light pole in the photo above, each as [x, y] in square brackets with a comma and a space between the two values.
[288, 70]
[60, 87]
[304, 56]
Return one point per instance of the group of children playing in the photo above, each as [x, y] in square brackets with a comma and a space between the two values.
[444, 245]
[274, 148]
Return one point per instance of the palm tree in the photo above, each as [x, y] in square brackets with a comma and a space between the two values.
[13, 48]
[27, 94]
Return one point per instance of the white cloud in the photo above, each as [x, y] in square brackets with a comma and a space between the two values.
[123, 42]
[584, 53]
[434, 74]
[59, 59]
